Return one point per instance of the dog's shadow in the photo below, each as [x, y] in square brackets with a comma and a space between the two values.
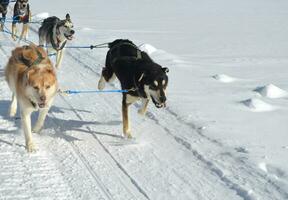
[61, 127]
[2, 73]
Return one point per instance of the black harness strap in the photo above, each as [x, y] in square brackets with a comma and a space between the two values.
[56, 44]
[138, 56]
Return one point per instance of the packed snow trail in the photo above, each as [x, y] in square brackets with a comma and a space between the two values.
[82, 154]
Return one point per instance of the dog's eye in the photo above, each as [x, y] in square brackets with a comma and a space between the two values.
[36, 87]
[48, 86]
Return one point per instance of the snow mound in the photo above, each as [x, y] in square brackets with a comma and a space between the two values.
[43, 15]
[258, 105]
[148, 48]
[224, 78]
[271, 91]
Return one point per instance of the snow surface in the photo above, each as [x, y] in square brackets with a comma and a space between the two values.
[209, 143]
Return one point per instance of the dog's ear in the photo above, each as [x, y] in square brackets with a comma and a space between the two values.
[165, 69]
[29, 73]
[27, 55]
[68, 17]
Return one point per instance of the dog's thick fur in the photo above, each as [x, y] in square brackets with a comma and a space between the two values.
[32, 80]
[137, 73]
[3, 10]
[21, 14]
[56, 32]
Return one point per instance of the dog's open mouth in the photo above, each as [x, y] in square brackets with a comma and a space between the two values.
[158, 105]
[68, 37]
[41, 104]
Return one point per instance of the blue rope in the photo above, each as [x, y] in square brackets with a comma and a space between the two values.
[93, 91]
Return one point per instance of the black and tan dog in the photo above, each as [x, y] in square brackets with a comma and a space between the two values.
[22, 14]
[137, 73]
[3, 10]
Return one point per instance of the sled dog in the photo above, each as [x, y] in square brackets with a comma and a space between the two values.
[21, 14]
[32, 80]
[3, 10]
[56, 32]
[138, 73]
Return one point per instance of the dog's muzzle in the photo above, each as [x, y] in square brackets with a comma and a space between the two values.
[157, 104]
[70, 35]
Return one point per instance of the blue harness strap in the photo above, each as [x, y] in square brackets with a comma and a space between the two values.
[92, 91]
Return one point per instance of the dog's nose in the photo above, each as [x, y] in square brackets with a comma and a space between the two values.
[43, 98]
[163, 99]
[24, 5]
[72, 32]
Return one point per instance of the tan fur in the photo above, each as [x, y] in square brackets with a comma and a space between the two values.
[34, 87]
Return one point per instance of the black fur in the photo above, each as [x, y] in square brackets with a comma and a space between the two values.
[3, 10]
[123, 60]
[21, 12]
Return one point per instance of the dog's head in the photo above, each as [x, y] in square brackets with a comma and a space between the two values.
[39, 76]
[155, 84]
[23, 4]
[41, 85]
[65, 28]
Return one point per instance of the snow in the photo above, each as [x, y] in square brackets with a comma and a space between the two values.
[224, 78]
[271, 91]
[258, 105]
[223, 134]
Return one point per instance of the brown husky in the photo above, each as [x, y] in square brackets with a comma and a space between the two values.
[32, 80]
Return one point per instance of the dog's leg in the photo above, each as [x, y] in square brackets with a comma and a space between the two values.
[59, 58]
[26, 124]
[101, 83]
[2, 21]
[40, 120]
[125, 116]
[23, 33]
[14, 32]
[13, 106]
[143, 109]
[107, 75]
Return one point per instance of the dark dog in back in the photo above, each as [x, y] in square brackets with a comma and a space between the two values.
[138, 73]
[21, 14]
[3, 10]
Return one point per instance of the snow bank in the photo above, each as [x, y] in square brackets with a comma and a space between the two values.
[257, 105]
[224, 78]
[148, 48]
[271, 91]
[43, 15]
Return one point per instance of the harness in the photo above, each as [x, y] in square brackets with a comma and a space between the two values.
[56, 44]
[39, 59]
[137, 57]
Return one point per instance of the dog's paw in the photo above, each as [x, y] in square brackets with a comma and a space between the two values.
[31, 147]
[12, 112]
[141, 112]
[14, 38]
[101, 84]
[127, 134]
[36, 129]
